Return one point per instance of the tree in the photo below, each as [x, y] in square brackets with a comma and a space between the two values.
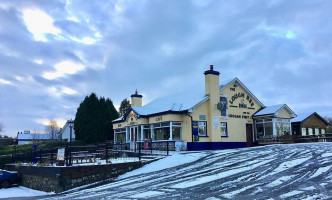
[2, 127]
[52, 129]
[93, 120]
[124, 106]
[329, 127]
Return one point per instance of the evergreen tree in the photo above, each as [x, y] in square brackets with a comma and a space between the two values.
[93, 121]
[124, 106]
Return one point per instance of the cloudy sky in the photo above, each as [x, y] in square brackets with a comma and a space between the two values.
[53, 53]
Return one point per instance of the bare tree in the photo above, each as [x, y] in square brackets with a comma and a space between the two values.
[52, 129]
[329, 127]
[2, 127]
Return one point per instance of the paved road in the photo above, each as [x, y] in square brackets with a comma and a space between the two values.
[297, 171]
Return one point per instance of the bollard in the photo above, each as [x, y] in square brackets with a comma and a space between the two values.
[167, 148]
[139, 151]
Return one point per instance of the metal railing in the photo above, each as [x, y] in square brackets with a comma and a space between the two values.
[99, 153]
[327, 137]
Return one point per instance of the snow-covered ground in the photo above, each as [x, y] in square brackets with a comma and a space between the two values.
[20, 192]
[295, 171]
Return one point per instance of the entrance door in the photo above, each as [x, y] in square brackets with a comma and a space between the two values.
[134, 133]
[249, 135]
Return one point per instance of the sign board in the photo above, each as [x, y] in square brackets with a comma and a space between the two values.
[180, 146]
[215, 122]
[222, 106]
[132, 145]
[196, 138]
[195, 127]
[61, 154]
[202, 117]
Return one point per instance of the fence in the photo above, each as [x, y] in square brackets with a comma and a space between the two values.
[295, 139]
[100, 153]
[145, 147]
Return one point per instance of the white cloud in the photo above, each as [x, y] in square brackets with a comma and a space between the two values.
[5, 82]
[278, 31]
[66, 90]
[39, 23]
[38, 61]
[44, 121]
[167, 48]
[62, 69]
[62, 90]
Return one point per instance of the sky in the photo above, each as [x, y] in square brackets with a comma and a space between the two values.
[54, 53]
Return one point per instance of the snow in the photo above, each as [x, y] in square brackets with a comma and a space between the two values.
[21, 192]
[148, 194]
[324, 155]
[206, 179]
[230, 195]
[279, 181]
[290, 194]
[171, 161]
[320, 171]
[270, 110]
[289, 164]
[302, 116]
[225, 174]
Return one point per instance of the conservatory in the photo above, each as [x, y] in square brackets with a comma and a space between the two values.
[273, 121]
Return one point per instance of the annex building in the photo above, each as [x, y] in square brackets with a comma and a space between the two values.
[225, 115]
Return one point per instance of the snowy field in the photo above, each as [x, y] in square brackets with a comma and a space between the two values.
[20, 192]
[296, 171]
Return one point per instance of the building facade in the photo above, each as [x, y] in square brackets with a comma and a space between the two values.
[221, 117]
[309, 124]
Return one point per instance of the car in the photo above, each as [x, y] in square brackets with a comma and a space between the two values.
[8, 178]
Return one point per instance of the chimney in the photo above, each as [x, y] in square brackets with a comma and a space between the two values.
[136, 99]
[211, 82]
[212, 89]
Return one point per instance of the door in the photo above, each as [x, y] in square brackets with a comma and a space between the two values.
[249, 135]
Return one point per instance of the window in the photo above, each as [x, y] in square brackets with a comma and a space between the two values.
[162, 131]
[176, 133]
[202, 129]
[223, 128]
[120, 135]
[310, 131]
[316, 131]
[304, 131]
[146, 132]
[322, 131]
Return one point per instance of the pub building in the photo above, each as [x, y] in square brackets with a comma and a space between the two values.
[225, 115]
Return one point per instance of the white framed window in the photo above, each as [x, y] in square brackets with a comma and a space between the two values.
[322, 131]
[223, 129]
[316, 131]
[202, 130]
[310, 131]
[304, 131]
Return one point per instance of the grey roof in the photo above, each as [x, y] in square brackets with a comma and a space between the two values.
[186, 101]
[33, 136]
[272, 110]
[303, 116]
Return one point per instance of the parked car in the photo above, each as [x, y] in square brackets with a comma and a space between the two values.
[8, 179]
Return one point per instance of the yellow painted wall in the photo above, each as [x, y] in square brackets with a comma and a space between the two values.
[283, 113]
[131, 121]
[237, 126]
[136, 102]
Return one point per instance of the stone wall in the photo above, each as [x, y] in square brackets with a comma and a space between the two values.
[59, 179]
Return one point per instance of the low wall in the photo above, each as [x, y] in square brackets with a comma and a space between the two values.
[59, 179]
